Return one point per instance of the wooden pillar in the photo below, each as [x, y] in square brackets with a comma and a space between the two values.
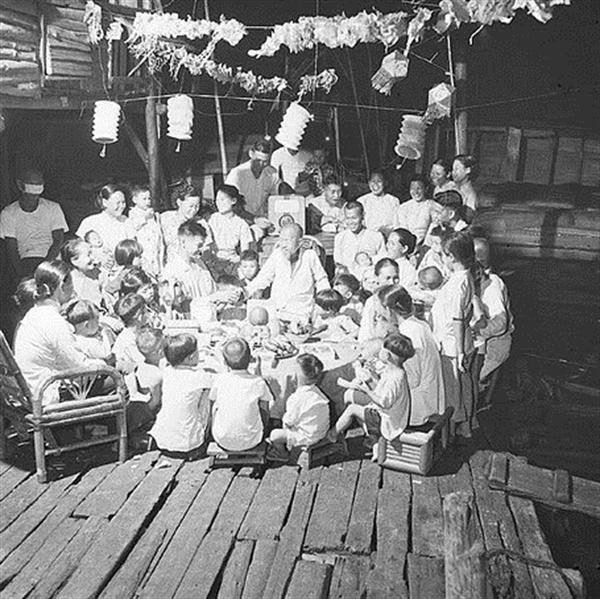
[460, 72]
[463, 548]
[152, 146]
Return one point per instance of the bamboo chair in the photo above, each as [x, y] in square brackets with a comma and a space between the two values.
[23, 408]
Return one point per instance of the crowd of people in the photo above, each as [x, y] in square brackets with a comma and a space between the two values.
[411, 285]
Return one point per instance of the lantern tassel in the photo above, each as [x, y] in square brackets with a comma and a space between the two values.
[103, 151]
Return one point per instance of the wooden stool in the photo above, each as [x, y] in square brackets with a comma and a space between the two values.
[416, 451]
[220, 458]
[319, 453]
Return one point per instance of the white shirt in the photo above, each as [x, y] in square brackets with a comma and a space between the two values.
[255, 191]
[407, 273]
[423, 371]
[195, 279]
[45, 345]
[141, 382]
[127, 355]
[144, 225]
[289, 165]
[381, 212]
[183, 417]
[416, 216]
[447, 186]
[307, 415]
[347, 244]
[335, 213]
[454, 303]
[229, 233]
[32, 230]
[393, 402]
[293, 286]
[98, 346]
[87, 287]
[433, 258]
[111, 230]
[236, 424]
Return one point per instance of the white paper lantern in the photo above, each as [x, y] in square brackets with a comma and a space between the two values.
[180, 117]
[411, 140]
[105, 129]
[293, 125]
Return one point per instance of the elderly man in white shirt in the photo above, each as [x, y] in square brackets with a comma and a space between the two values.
[294, 274]
[355, 238]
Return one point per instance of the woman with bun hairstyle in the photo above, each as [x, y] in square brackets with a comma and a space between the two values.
[45, 342]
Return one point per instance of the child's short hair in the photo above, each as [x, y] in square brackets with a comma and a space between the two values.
[397, 299]
[71, 249]
[311, 367]
[329, 300]
[133, 280]
[360, 254]
[441, 231]
[88, 236]
[191, 228]
[229, 190]
[25, 295]
[148, 340]
[249, 256]
[354, 205]
[460, 246]
[236, 353]
[80, 311]
[128, 307]
[381, 264]
[139, 188]
[179, 347]
[349, 281]
[449, 199]
[406, 238]
[400, 346]
[127, 250]
[430, 277]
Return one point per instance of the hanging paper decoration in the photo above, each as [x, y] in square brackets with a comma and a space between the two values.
[416, 27]
[180, 118]
[325, 80]
[293, 125]
[105, 129]
[92, 17]
[393, 67]
[411, 140]
[439, 102]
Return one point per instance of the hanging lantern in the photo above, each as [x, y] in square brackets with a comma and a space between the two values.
[393, 67]
[439, 102]
[180, 117]
[292, 126]
[106, 123]
[411, 140]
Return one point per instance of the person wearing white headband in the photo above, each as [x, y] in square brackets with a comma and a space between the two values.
[33, 228]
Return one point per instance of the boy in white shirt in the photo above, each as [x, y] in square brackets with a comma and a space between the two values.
[306, 418]
[381, 209]
[231, 234]
[131, 309]
[92, 339]
[327, 317]
[452, 209]
[241, 401]
[182, 422]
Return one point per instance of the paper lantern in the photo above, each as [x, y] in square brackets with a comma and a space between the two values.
[412, 138]
[439, 102]
[180, 117]
[293, 126]
[105, 129]
[393, 67]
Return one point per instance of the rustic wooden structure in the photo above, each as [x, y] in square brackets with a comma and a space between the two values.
[153, 527]
[23, 409]
[252, 457]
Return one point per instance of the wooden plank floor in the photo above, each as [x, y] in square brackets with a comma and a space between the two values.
[158, 528]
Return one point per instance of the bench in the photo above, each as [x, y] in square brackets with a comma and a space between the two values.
[319, 453]
[221, 458]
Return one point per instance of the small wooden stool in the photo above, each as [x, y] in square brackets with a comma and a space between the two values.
[319, 453]
[219, 458]
[416, 451]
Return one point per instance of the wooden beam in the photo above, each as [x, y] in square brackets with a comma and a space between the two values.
[152, 145]
[464, 571]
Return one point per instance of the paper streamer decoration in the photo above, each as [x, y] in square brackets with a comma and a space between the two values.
[293, 126]
[412, 138]
[180, 117]
[105, 129]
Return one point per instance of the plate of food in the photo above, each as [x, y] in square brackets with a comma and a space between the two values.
[281, 347]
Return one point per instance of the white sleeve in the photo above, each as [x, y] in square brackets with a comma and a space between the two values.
[57, 220]
[264, 277]
[84, 227]
[7, 225]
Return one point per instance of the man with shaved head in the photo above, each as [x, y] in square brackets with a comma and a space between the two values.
[294, 274]
[32, 227]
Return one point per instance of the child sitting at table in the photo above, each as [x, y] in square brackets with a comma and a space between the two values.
[383, 409]
[328, 319]
[182, 422]
[128, 253]
[90, 337]
[306, 417]
[248, 267]
[145, 382]
[132, 310]
[349, 288]
[77, 253]
[241, 401]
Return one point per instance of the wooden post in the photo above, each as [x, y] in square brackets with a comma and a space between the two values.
[460, 70]
[152, 144]
[464, 571]
[220, 128]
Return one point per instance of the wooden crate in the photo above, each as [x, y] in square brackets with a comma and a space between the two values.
[219, 458]
[416, 451]
[318, 454]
